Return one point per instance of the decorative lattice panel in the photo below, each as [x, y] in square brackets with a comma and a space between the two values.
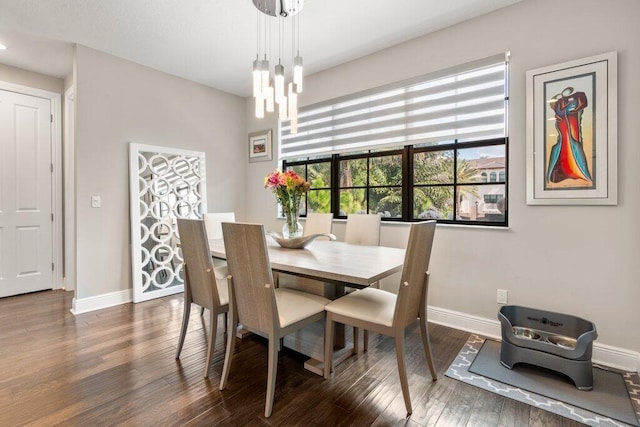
[166, 184]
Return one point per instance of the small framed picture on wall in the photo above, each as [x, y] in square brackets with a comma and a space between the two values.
[260, 146]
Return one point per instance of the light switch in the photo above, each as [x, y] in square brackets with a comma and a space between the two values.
[95, 201]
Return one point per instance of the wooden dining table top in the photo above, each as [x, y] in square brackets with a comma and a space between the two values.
[330, 261]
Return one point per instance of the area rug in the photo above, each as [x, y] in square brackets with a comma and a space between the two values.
[614, 400]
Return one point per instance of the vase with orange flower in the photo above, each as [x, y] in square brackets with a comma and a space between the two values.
[288, 187]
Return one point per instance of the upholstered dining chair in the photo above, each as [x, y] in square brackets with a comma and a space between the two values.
[200, 284]
[387, 313]
[318, 223]
[363, 229]
[257, 304]
[213, 221]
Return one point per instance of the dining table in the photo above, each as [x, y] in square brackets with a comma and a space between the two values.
[356, 266]
[338, 263]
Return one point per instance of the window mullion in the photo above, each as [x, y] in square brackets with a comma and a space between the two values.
[306, 198]
[368, 183]
[335, 185]
[407, 183]
[455, 185]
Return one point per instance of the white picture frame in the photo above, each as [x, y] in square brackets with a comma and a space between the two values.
[572, 132]
[260, 146]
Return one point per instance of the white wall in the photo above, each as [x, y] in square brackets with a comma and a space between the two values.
[117, 102]
[576, 259]
[22, 77]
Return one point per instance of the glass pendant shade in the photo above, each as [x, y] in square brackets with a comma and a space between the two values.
[293, 109]
[257, 78]
[264, 72]
[269, 99]
[259, 107]
[282, 108]
[294, 125]
[297, 73]
[279, 83]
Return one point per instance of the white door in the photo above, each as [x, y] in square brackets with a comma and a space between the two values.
[26, 252]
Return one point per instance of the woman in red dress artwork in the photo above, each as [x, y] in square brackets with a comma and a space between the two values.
[567, 158]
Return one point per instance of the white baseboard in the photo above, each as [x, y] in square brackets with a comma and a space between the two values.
[615, 357]
[97, 302]
[466, 322]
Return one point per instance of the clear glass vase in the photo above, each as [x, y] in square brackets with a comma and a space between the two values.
[292, 227]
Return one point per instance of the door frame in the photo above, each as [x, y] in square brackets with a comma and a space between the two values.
[56, 178]
[69, 197]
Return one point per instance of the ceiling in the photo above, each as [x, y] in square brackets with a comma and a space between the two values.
[213, 42]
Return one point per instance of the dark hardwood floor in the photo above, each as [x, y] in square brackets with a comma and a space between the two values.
[116, 367]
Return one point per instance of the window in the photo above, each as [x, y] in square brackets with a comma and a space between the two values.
[371, 183]
[449, 183]
[318, 173]
[430, 147]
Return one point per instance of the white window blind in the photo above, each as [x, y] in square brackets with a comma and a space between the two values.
[464, 103]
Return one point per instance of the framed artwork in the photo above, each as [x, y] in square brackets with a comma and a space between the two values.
[572, 133]
[260, 146]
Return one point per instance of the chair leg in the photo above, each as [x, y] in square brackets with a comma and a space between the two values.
[328, 346]
[231, 345]
[271, 375]
[201, 311]
[356, 340]
[183, 331]
[424, 331]
[226, 322]
[213, 326]
[365, 333]
[402, 371]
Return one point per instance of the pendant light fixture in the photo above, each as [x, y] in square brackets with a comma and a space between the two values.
[269, 89]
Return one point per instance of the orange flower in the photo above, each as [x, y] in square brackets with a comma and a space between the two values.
[288, 187]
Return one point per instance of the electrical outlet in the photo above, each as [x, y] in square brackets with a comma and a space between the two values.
[502, 296]
[95, 201]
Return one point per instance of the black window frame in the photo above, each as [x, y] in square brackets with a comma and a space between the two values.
[306, 163]
[407, 188]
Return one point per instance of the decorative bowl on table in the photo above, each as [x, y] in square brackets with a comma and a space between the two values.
[298, 242]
